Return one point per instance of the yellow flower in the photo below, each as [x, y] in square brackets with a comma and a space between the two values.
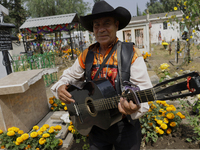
[46, 126]
[157, 129]
[185, 3]
[37, 149]
[1, 131]
[191, 36]
[198, 96]
[187, 17]
[182, 117]
[63, 104]
[42, 141]
[172, 124]
[51, 130]
[160, 131]
[73, 131]
[43, 128]
[163, 126]
[15, 129]
[3, 147]
[193, 31]
[25, 136]
[35, 127]
[170, 116]
[19, 139]
[65, 108]
[187, 39]
[10, 129]
[164, 66]
[166, 120]
[58, 127]
[28, 147]
[60, 142]
[20, 132]
[70, 123]
[34, 134]
[17, 143]
[51, 101]
[10, 133]
[46, 135]
[159, 122]
[175, 8]
[70, 128]
[169, 109]
[39, 132]
[169, 131]
[52, 108]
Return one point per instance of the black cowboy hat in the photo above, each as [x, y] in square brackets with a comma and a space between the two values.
[103, 9]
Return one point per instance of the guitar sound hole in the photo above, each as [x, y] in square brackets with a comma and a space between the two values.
[90, 107]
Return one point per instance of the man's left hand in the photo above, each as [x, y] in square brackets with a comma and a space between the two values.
[127, 108]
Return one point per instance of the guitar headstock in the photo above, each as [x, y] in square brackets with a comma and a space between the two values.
[178, 87]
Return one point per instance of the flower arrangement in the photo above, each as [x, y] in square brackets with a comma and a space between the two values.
[146, 55]
[68, 53]
[56, 104]
[161, 119]
[77, 136]
[165, 44]
[39, 138]
[164, 70]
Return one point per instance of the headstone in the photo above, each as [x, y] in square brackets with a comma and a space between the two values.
[23, 100]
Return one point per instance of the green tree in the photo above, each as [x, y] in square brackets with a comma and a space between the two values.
[138, 11]
[41, 8]
[191, 19]
[97, 1]
[156, 7]
[17, 13]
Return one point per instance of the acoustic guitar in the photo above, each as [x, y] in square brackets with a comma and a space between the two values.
[97, 102]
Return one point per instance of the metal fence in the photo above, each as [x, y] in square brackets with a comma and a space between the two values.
[29, 61]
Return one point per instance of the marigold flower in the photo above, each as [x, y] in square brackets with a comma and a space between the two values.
[60, 142]
[10, 133]
[46, 126]
[58, 127]
[46, 135]
[55, 104]
[170, 116]
[39, 132]
[51, 101]
[25, 136]
[35, 127]
[43, 128]
[19, 139]
[73, 131]
[163, 126]
[2, 147]
[63, 104]
[168, 109]
[15, 129]
[169, 131]
[198, 96]
[175, 8]
[166, 120]
[10, 129]
[34, 134]
[17, 143]
[65, 108]
[37, 149]
[1, 131]
[164, 66]
[28, 146]
[193, 31]
[160, 131]
[51, 98]
[159, 122]
[187, 17]
[70, 128]
[150, 102]
[52, 108]
[172, 124]
[42, 141]
[191, 36]
[20, 132]
[150, 123]
[70, 123]
[182, 117]
[51, 130]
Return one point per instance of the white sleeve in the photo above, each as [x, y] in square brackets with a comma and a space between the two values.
[70, 76]
[140, 77]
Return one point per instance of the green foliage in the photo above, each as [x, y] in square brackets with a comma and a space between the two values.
[41, 8]
[17, 13]
[194, 121]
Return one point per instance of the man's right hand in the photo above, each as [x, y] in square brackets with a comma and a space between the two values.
[64, 95]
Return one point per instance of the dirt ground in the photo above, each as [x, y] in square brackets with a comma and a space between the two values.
[158, 56]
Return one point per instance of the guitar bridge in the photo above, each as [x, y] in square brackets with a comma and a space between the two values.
[78, 112]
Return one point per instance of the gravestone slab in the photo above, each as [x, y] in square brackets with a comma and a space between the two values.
[23, 100]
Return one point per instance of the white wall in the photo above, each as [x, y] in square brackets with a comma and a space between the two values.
[172, 32]
[3, 72]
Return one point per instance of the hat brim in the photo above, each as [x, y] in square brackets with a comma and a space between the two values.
[121, 14]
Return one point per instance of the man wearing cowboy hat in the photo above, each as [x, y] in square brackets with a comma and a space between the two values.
[105, 21]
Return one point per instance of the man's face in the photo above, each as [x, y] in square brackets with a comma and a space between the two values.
[105, 30]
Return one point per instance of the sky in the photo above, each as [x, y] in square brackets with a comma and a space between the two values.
[131, 5]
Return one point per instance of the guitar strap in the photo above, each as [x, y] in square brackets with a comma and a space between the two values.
[89, 62]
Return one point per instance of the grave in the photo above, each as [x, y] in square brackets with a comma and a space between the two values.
[23, 100]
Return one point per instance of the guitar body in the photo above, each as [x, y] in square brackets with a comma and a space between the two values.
[87, 110]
